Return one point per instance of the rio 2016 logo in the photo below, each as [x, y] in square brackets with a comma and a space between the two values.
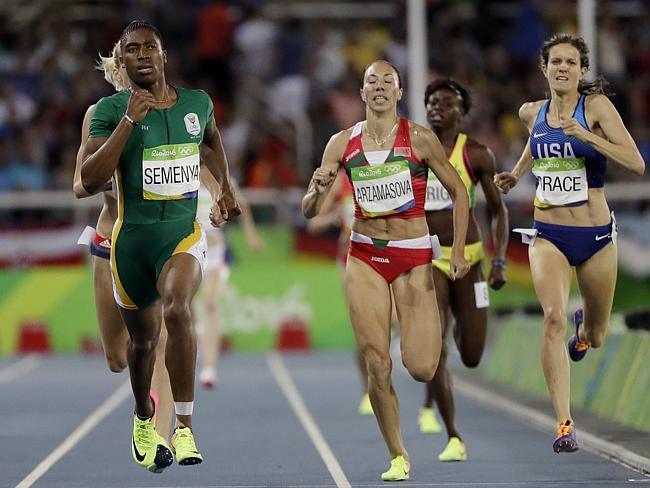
[368, 173]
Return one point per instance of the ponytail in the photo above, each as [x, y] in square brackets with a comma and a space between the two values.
[599, 86]
[110, 65]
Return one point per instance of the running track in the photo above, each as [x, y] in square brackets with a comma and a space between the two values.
[282, 421]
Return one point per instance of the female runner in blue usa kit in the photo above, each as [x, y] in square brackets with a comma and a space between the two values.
[572, 135]
[387, 159]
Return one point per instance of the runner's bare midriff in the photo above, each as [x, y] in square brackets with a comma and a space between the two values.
[441, 223]
[594, 213]
[108, 215]
[391, 228]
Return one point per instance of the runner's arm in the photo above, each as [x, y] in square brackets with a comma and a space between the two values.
[431, 151]
[101, 154]
[618, 145]
[484, 162]
[213, 157]
[428, 148]
[216, 161]
[507, 180]
[212, 185]
[321, 182]
[248, 222]
[77, 187]
[330, 211]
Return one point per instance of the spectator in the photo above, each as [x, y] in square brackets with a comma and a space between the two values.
[46, 80]
[214, 39]
[255, 39]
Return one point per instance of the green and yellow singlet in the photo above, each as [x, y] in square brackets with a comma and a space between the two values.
[437, 197]
[156, 184]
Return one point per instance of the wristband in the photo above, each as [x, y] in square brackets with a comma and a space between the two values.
[130, 120]
[499, 263]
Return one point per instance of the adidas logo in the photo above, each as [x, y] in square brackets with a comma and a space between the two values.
[106, 243]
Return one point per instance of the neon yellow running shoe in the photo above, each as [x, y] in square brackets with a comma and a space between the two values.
[427, 421]
[399, 470]
[455, 451]
[365, 407]
[148, 448]
[184, 447]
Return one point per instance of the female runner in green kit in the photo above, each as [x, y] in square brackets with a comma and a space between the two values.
[150, 139]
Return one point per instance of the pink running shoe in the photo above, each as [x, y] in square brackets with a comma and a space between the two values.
[154, 397]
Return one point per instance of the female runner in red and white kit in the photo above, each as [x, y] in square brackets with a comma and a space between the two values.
[387, 158]
[337, 210]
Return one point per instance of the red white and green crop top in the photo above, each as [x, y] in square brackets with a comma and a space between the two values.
[391, 185]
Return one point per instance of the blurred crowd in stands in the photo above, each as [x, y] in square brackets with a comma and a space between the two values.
[283, 81]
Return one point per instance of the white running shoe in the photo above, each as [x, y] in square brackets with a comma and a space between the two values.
[208, 378]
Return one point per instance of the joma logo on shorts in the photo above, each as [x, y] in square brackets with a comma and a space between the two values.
[380, 260]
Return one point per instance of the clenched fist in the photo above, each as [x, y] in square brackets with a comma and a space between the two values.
[505, 181]
[572, 128]
[322, 179]
[458, 266]
[140, 102]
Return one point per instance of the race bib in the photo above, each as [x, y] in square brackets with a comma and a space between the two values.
[170, 172]
[481, 294]
[383, 190]
[437, 197]
[560, 181]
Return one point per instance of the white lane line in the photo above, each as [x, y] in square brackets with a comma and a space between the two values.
[592, 443]
[289, 389]
[78, 434]
[19, 368]
[445, 484]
